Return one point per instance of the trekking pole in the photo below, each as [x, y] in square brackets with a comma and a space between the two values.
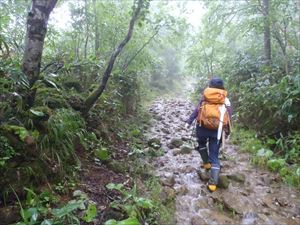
[193, 135]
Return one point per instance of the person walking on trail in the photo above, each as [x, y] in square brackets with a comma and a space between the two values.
[213, 115]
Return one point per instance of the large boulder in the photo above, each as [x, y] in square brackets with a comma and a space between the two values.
[236, 202]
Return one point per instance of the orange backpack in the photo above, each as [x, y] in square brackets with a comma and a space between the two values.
[209, 111]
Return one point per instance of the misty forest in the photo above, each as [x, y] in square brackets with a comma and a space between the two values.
[95, 101]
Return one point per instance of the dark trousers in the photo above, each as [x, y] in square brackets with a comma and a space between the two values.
[211, 153]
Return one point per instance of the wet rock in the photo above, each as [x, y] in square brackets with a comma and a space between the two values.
[266, 211]
[165, 130]
[168, 180]
[223, 182]
[185, 149]
[249, 218]
[185, 138]
[176, 152]
[175, 143]
[154, 143]
[239, 177]
[203, 175]
[187, 169]
[202, 204]
[167, 194]
[158, 117]
[236, 202]
[282, 201]
[181, 190]
[215, 217]
[197, 220]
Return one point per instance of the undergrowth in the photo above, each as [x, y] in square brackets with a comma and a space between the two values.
[279, 155]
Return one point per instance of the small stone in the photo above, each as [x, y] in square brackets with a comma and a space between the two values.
[176, 152]
[166, 131]
[167, 194]
[197, 220]
[223, 182]
[202, 204]
[154, 143]
[266, 211]
[181, 190]
[187, 169]
[168, 180]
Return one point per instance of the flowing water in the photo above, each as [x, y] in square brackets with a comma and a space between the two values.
[254, 196]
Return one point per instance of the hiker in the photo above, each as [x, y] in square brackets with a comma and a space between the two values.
[208, 114]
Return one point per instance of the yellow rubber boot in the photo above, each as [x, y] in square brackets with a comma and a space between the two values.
[206, 166]
[212, 187]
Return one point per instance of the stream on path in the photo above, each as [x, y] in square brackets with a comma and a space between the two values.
[250, 195]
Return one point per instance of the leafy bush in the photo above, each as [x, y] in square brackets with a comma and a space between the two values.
[275, 164]
[6, 151]
[62, 128]
[247, 140]
[39, 210]
[131, 204]
[261, 157]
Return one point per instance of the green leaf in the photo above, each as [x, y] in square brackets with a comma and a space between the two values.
[264, 153]
[129, 221]
[144, 203]
[271, 141]
[275, 164]
[102, 154]
[47, 222]
[112, 186]
[111, 222]
[37, 113]
[32, 214]
[52, 84]
[90, 213]
[298, 172]
[70, 207]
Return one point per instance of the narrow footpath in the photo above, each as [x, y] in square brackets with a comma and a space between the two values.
[249, 195]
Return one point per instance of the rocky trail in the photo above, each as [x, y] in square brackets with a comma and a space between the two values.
[248, 195]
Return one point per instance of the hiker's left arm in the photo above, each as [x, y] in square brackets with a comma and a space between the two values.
[194, 115]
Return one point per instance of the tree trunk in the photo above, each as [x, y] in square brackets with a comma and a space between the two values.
[90, 101]
[97, 34]
[267, 32]
[37, 21]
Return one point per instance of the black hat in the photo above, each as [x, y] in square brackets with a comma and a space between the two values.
[216, 82]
